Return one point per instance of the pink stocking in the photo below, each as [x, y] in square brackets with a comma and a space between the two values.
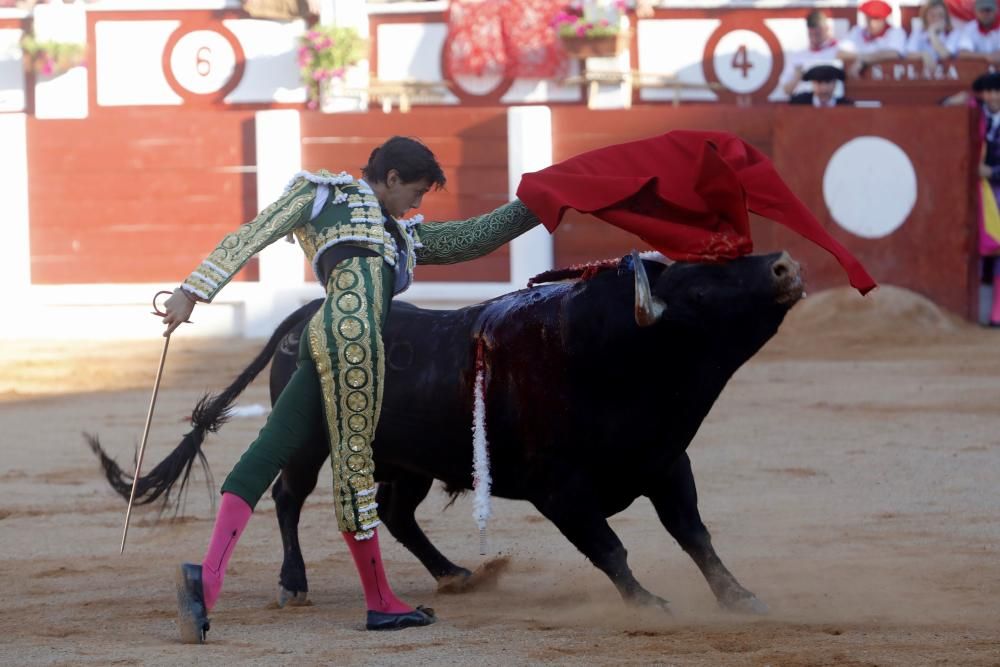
[368, 560]
[234, 513]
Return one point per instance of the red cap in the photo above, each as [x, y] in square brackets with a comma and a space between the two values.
[875, 9]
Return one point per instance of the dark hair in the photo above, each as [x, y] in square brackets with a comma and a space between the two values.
[815, 19]
[987, 81]
[410, 157]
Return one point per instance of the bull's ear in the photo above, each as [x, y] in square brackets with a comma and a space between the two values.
[648, 308]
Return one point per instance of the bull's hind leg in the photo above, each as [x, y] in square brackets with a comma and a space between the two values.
[572, 509]
[296, 481]
[676, 503]
[397, 504]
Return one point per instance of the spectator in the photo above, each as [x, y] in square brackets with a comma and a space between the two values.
[934, 39]
[874, 42]
[980, 39]
[824, 80]
[972, 97]
[823, 48]
[989, 171]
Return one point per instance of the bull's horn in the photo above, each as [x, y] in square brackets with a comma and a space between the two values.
[648, 308]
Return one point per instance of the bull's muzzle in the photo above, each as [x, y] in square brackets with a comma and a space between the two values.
[787, 277]
[648, 308]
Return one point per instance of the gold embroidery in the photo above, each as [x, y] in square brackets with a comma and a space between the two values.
[287, 213]
[354, 353]
[318, 346]
[352, 320]
[461, 240]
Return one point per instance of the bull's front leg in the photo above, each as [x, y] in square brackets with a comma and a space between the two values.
[676, 503]
[397, 502]
[571, 508]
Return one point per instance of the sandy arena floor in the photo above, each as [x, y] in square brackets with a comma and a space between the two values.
[849, 475]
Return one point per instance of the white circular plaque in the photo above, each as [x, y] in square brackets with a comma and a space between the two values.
[203, 61]
[742, 61]
[870, 187]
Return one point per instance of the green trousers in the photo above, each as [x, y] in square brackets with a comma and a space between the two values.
[336, 393]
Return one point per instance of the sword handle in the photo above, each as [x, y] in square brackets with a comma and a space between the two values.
[145, 436]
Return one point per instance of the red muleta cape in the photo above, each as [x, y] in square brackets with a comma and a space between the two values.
[686, 193]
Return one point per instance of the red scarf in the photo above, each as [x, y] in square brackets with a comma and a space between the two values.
[871, 37]
[686, 193]
[988, 29]
[825, 45]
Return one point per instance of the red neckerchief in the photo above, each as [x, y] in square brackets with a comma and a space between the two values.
[825, 45]
[990, 28]
[869, 37]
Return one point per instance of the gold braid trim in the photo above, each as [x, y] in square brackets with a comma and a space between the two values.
[346, 346]
[236, 248]
[461, 240]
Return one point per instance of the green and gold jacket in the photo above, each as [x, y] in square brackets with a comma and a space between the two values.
[323, 209]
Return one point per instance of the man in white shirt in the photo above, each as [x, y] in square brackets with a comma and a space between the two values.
[874, 42]
[980, 39]
[823, 48]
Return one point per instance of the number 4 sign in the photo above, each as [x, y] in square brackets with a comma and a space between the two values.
[745, 60]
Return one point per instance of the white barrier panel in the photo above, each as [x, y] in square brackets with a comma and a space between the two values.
[15, 251]
[11, 70]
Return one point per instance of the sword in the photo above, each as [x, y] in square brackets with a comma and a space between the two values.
[149, 420]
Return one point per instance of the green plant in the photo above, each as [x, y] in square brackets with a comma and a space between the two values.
[52, 58]
[325, 53]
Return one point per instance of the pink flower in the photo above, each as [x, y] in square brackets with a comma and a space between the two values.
[325, 43]
[604, 23]
[319, 74]
[338, 73]
[312, 104]
[581, 30]
[48, 65]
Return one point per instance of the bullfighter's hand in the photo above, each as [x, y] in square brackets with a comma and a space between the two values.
[178, 308]
[985, 171]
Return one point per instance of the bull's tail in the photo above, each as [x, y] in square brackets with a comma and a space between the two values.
[209, 415]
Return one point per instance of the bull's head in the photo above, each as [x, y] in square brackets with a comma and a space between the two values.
[781, 280]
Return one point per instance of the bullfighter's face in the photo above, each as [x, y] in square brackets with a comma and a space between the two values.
[398, 197]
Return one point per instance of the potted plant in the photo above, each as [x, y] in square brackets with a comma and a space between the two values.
[325, 53]
[591, 28]
[51, 58]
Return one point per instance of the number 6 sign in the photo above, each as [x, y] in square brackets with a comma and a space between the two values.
[203, 63]
[745, 58]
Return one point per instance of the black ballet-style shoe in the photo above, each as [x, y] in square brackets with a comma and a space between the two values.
[192, 617]
[380, 620]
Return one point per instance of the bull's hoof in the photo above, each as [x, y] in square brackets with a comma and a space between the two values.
[485, 578]
[380, 620]
[454, 583]
[192, 616]
[287, 598]
[647, 599]
[746, 604]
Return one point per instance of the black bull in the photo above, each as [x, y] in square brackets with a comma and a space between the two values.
[595, 388]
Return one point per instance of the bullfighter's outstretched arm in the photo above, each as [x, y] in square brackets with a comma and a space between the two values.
[236, 249]
[461, 240]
